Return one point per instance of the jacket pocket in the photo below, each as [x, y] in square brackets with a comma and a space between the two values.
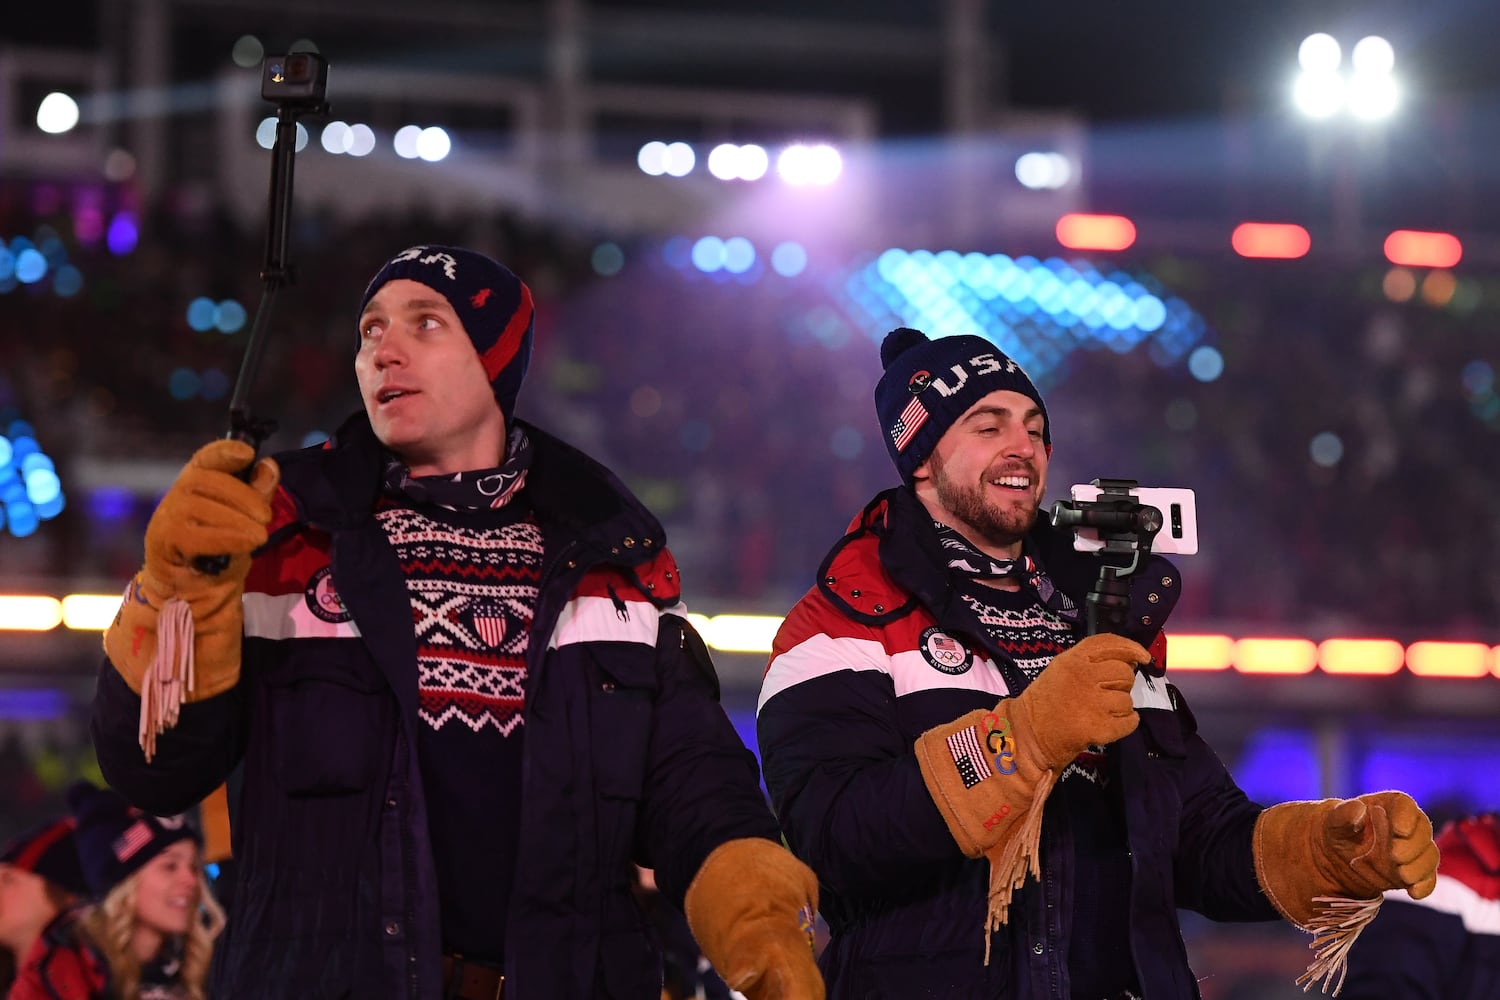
[621, 708]
[327, 707]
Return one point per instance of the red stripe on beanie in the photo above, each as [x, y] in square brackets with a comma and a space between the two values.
[42, 843]
[503, 351]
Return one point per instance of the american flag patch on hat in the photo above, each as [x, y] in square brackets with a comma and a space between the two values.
[906, 426]
[973, 767]
[135, 837]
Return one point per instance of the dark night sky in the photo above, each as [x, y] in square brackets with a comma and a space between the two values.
[1110, 60]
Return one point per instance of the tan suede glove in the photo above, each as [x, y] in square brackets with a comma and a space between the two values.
[1324, 866]
[177, 635]
[751, 909]
[990, 772]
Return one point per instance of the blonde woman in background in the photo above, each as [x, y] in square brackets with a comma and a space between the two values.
[151, 935]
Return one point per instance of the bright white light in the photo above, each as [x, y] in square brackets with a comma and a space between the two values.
[57, 113]
[753, 162]
[729, 162]
[1043, 171]
[1319, 53]
[337, 137]
[1319, 95]
[801, 165]
[361, 140]
[1373, 55]
[433, 144]
[678, 159]
[1373, 97]
[652, 158]
[724, 161]
[405, 141]
[265, 134]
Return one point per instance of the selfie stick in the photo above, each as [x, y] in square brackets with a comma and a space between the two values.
[296, 83]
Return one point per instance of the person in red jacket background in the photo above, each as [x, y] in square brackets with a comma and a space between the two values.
[40, 879]
[1446, 946]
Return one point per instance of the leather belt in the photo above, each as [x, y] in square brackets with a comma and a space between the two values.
[465, 979]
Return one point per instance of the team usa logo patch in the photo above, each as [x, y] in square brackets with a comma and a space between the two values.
[323, 600]
[944, 652]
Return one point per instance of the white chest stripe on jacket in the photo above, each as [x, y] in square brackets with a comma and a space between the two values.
[910, 672]
[287, 616]
[595, 619]
[822, 654]
[1480, 915]
[1151, 692]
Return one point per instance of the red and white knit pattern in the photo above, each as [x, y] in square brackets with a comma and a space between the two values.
[1031, 637]
[473, 597]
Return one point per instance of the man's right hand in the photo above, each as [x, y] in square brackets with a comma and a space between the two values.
[208, 511]
[1081, 698]
[990, 772]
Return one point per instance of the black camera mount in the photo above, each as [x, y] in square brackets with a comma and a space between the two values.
[1126, 528]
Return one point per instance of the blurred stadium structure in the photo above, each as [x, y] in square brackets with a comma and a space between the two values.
[714, 339]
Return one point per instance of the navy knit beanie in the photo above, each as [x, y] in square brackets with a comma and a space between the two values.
[115, 839]
[929, 384]
[492, 303]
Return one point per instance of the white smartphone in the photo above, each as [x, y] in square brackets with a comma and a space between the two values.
[1179, 515]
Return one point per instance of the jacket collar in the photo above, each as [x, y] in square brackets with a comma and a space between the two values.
[335, 486]
[890, 559]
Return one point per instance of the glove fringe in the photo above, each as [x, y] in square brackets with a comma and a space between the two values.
[1334, 931]
[1013, 858]
[170, 677]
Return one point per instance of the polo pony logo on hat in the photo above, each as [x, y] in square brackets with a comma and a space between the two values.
[479, 298]
[450, 266]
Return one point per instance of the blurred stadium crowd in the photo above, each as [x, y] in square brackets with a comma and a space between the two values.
[1339, 455]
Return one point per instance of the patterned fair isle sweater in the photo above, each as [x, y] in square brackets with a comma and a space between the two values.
[473, 577]
[1099, 961]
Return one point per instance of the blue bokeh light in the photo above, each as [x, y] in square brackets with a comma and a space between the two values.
[739, 255]
[31, 266]
[708, 254]
[202, 313]
[67, 282]
[183, 383]
[231, 317]
[1206, 364]
[789, 259]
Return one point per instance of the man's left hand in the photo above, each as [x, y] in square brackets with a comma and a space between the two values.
[751, 909]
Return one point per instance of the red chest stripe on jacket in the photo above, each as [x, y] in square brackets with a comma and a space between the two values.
[288, 566]
[814, 614]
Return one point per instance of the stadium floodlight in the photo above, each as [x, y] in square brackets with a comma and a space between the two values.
[1319, 53]
[1369, 91]
[57, 113]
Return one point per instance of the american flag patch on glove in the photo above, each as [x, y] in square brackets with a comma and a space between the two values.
[973, 766]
